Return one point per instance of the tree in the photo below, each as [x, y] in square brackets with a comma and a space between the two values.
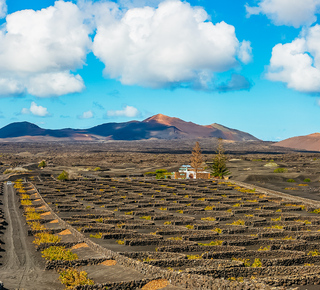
[63, 175]
[219, 166]
[42, 164]
[196, 157]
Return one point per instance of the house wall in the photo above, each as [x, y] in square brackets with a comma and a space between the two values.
[203, 175]
[185, 175]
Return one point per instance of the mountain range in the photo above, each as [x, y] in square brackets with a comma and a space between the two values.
[156, 127]
[309, 142]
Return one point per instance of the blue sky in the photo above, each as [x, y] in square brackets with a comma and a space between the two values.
[249, 65]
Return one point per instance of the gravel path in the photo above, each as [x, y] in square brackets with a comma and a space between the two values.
[22, 267]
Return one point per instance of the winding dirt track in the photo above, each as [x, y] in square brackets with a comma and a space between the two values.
[22, 267]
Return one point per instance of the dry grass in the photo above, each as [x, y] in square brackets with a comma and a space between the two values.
[46, 213]
[64, 233]
[109, 263]
[79, 246]
[54, 222]
[156, 284]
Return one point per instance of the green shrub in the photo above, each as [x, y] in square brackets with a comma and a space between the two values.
[54, 253]
[146, 217]
[30, 215]
[194, 257]
[213, 243]
[96, 236]
[63, 175]
[72, 278]
[280, 170]
[307, 180]
[267, 248]
[257, 263]
[237, 223]
[314, 253]
[46, 238]
[42, 164]
[210, 219]
[190, 227]
[161, 173]
[317, 211]
[36, 226]
[290, 180]
[209, 207]
[26, 202]
[97, 169]
[175, 239]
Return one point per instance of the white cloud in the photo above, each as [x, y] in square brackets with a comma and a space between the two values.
[3, 8]
[298, 63]
[168, 46]
[86, 115]
[127, 111]
[25, 111]
[11, 86]
[45, 46]
[287, 12]
[55, 84]
[36, 110]
[245, 52]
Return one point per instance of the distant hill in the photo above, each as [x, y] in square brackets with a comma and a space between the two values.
[156, 127]
[309, 142]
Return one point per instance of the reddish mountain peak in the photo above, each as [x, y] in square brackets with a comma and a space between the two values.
[309, 142]
[316, 135]
[162, 119]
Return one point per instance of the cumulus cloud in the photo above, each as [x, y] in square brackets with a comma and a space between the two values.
[287, 12]
[168, 46]
[297, 64]
[128, 111]
[86, 115]
[151, 43]
[55, 84]
[11, 86]
[236, 83]
[36, 110]
[42, 47]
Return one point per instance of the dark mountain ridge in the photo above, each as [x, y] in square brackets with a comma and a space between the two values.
[157, 127]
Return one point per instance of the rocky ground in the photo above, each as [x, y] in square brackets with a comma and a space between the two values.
[180, 228]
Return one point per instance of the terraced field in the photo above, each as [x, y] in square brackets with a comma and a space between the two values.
[135, 233]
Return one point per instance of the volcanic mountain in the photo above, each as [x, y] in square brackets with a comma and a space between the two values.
[157, 127]
[309, 142]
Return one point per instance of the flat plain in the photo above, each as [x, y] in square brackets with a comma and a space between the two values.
[258, 230]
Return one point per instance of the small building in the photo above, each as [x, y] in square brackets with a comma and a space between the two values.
[187, 172]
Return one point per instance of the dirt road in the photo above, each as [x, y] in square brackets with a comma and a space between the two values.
[22, 266]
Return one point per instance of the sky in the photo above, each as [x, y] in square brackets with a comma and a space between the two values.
[249, 65]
